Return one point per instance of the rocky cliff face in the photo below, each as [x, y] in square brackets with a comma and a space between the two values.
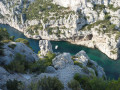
[67, 21]
[63, 67]
[45, 47]
[13, 48]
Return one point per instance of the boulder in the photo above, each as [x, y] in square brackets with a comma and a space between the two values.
[13, 48]
[50, 69]
[63, 60]
[82, 57]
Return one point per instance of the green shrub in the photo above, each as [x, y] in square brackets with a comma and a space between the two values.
[113, 85]
[1, 48]
[93, 83]
[1, 52]
[97, 84]
[83, 80]
[78, 63]
[39, 52]
[38, 66]
[47, 83]
[12, 38]
[86, 70]
[14, 85]
[19, 64]
[22, 41]
[74, 85]
[89, 64]
[77, 76]
[4, 34]
[12, 46]
[50, 55]
[6, 41]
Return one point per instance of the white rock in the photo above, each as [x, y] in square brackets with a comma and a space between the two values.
[45, 47]
[62, 60]
[82, 57]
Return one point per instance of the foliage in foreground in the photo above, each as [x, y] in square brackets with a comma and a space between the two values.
[3, 36]
[14, 85]
[21, 65]
[1, 49]
[97, 83]
[74, 85]
[47, 83]
[22, 41]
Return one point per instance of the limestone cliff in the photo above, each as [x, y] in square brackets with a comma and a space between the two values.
[67, 20]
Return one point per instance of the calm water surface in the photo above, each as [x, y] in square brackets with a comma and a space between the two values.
[111, 68]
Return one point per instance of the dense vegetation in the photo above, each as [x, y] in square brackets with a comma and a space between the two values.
[95, 83]
[1, 44]
[3, 37]
[79, 82]
[21, 65]
[4, 34]
[74, 85]
[14, 85]
[22, 41]
[47, 83]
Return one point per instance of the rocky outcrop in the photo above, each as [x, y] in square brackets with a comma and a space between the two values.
[81, 4]
[13, 48]
[62, 60]
[45, 47]
[103, 41]
[82, 58]
[66, 68]
[63, 68]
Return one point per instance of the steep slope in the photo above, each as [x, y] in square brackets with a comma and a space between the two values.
[93, 23]
[64, 67]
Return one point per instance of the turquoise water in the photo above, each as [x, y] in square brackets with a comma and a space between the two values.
[111, 68]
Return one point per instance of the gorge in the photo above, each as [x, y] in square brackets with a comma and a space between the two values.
[111, 67]
[92, 23]
[68, 44]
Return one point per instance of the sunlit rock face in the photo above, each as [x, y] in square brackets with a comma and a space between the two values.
[45, 47]
[70, 24]
[75, 4]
